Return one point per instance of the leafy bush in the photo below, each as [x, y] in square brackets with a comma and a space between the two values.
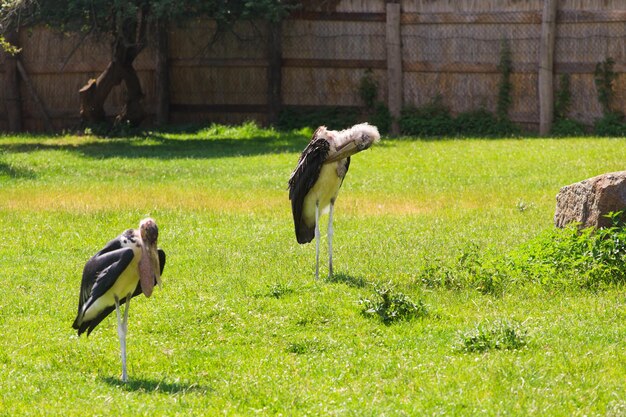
[499, 335]
[603, 77]
[561, 258]
[612, 124]
[368, 88]
[586, 258]
[482, 123]
[336, 118]
[431, 120]
[563, 98]
[381, 117]
[392, 306]
[567, 127]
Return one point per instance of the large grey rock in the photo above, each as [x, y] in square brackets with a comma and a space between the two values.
[588, 201]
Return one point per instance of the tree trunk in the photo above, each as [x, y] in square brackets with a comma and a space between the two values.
[12, 98]
[133, 111]
[161, 75]
[95, 92]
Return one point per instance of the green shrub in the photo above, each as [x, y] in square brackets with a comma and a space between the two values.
[336, 118]
[391, 306]
[588, 258]
[612, 124]
[558, 258]
[381, 117]
[567, 127]
[563, 98]
[433, 119]
[368, 88]
[482, 123]
[603, 77]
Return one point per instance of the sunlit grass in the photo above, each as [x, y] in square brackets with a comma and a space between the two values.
[240, 326]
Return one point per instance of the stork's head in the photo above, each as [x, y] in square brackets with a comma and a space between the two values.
[149, 268]
[350, 141]
[149, 231]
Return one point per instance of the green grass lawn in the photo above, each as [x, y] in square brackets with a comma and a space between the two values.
[240, 326]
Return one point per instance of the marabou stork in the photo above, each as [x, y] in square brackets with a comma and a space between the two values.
[315, 182]
[127, 266]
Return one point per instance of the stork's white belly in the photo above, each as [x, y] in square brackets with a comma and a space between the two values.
[124, 285]
[325, 189]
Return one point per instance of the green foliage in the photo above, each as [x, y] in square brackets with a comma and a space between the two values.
[498, 335]
[604, 77]
[611, 124]
[505, 66]
[585, 258]
[563, 98]
[305, 346]
[376, 111]
[431, 120]
[567, 127]
[435, 120]
[381, 117]
[7, 47]
[368, 88]
[566, 258]
[392, 306]
[481, 123]
[335, 118]
[279, 290]
[102, 16]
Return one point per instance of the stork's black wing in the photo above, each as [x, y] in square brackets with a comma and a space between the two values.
[100, 273]
[302, 180]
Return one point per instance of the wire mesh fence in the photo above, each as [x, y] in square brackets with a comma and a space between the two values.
[449, 50]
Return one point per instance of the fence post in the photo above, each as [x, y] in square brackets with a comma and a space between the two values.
[13, 100]
[161, 75]
[394, 64]
[274, 71]
[546, 65]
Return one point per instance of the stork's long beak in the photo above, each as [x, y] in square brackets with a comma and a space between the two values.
[149, 270]
[347, 150]
[358, 144]
[154, 260]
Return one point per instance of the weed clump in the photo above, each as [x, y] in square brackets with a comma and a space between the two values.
[499, 335]
[392, 306]
[588, 258]
[279, 290]
[558, 258]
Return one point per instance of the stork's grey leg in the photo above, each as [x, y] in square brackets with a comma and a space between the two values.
[122, 328]
[317, 240]
[330, 239]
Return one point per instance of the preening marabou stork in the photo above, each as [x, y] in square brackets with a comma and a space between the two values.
[129, 265]
[314, 184]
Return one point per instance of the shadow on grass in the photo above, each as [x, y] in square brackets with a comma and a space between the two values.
[156, 145]
[13, 172]
[349, 280]
[157, 386]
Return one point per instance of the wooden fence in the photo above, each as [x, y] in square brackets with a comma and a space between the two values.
[417, 50]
